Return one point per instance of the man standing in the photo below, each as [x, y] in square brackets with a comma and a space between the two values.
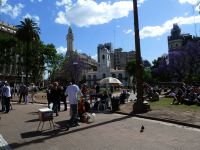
[6, 96]
[33, 92]
[72, 92]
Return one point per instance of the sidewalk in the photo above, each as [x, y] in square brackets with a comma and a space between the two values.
[108, 132]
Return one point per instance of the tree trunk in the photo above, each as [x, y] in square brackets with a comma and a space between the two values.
[138, 106]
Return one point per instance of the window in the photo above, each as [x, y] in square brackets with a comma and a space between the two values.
[120, 76]
[104, 75]
[113, 75]
[103, 57]
[94, 77]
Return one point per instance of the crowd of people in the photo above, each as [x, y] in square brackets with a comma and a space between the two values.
[81, 100]
[7, 91]
[185, 94]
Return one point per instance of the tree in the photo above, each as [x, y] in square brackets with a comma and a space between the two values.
[73, 67]
[27, 32]
[184, 62]
[160, 70]
[131, 68]
[146, 63]
[7, 44]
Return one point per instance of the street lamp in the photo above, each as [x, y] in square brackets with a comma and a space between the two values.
[75, 68]
[138, 106]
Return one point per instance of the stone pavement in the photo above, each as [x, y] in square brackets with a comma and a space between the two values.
[108, 132]
[191, 119]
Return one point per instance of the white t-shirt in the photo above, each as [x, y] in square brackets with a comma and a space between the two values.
[72, 91]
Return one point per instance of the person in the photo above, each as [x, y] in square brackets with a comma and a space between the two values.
[97, 89]
[62, 98]
[6, 96]
[33, 92]
[134, 88]
[1, 97]
[84, 91]
[105, 98]
[23, 90]
[123, 97]
[178, 99]
[49, 97]
[72, 92]
[55, 95]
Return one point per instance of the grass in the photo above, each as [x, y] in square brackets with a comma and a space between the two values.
[165, 103]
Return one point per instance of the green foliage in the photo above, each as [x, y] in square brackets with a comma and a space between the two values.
[7, 43]
[147, 77]
[131, 68]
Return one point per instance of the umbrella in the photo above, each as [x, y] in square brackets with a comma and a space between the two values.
[110, 80]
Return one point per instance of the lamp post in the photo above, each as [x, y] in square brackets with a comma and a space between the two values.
[75, 68]
[138, 106]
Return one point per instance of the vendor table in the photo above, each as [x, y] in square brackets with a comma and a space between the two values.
[45, 114]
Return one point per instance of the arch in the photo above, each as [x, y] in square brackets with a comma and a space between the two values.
[113, 75]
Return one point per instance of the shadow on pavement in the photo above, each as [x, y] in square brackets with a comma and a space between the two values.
[33, 120]
[57, 132]
[33, 113]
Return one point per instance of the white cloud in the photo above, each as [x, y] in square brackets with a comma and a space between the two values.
[37, 0]
[12, 11]
[61, 50]
[85, 13]
[64, 2]
[61, 18]
[140, 2]
[192, 2]
[34, 17]
[196, 3]
[155, 31]
[94, 57]
[128, 31]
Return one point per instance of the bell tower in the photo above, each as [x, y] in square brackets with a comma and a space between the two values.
[70, 39]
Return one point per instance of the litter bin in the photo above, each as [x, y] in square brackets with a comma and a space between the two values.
[115, 101]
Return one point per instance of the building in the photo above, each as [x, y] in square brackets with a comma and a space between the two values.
[176, 39]
[110, 64]
[89, 64]
[119, 59]
[11, 71]
[183, 54]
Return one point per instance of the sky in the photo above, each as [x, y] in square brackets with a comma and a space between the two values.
[101, 21]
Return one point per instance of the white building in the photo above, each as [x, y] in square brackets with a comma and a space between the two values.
[104, 68]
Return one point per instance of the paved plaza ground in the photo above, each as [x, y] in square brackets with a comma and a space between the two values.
[188, 118]
[113, 131]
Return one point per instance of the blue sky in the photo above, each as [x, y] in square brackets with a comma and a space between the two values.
[99, 21]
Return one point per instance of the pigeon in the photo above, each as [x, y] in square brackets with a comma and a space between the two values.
[142, 128]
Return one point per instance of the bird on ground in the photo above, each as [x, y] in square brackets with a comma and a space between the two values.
[142, 128]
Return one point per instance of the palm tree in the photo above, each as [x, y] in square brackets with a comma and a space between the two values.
[28, 32]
